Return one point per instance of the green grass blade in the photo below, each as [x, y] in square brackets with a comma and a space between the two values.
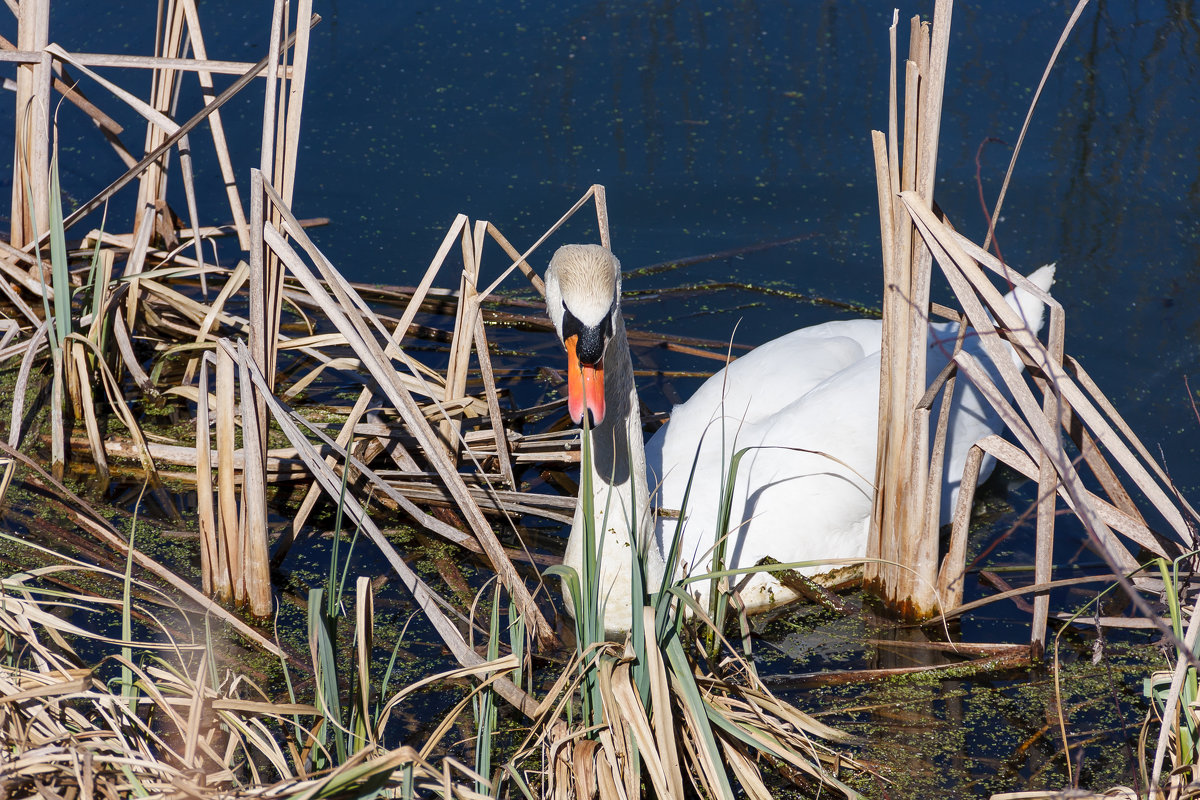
[485, 703]
[127, 682]
[321, 641]
[58, 256]
[685, 682]
[332, 585]
[520, 782]
[590, 690]
[516, 641]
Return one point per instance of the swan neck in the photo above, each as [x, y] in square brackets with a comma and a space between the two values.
[620, 500]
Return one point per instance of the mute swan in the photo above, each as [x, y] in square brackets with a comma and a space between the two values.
[816, 388]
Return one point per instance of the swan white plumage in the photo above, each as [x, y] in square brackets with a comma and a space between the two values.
[795, 401]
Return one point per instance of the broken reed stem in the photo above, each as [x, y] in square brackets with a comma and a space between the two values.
[503, 454]
[1047, 484]
[295, 103]
[267, 149]
[278, 154]
[252, 536]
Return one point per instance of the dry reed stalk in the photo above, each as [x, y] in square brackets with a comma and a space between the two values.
[522, 264]
[285, 174]
[499, 434]
[135, 263]
[58, 453]
[215, 314]
[32, 125]
[266, 274]
[364, 641]
[9, 330]
[464, 332]
[252, 533]
[124, 241]
[285, 145]
[206, 518]
[189, 188]
[267, 149]
[1132, 527]
[152, 188]
[224, 578]
[1115, 793]
[129, 359]
[1047, 484]
[593, 191]
[22, 279]
[282, 464]
[31, 349]
[88, 410]
[118, 60]
[204, 76]
[24, 276]
[71, 378]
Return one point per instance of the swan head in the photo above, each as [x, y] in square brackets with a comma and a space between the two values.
[583, 285]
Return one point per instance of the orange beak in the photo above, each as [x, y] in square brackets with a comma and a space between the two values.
[585, 386]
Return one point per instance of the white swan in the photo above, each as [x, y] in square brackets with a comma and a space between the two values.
[816, 388]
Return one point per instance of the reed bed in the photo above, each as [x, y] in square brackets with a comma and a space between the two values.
[1064, 428]
[109, 329]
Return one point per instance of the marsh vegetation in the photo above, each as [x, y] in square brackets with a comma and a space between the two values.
[270, 531]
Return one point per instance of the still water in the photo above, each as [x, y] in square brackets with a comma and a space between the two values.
[715, 126]
[718, 126]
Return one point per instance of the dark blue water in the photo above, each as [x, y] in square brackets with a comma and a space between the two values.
[717, 126]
